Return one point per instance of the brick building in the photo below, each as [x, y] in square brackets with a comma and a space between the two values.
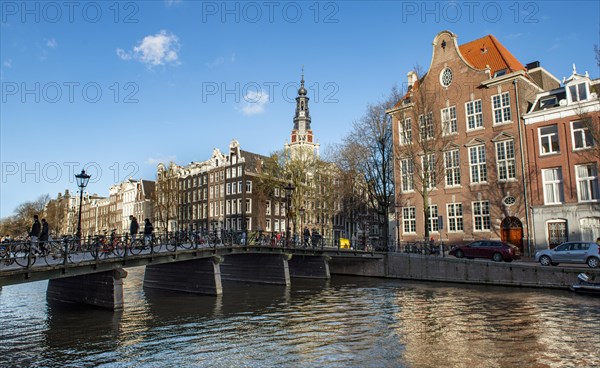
[218, 194]
[561, 130]
[458, 129]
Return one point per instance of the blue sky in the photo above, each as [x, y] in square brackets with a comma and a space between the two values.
[117, 87]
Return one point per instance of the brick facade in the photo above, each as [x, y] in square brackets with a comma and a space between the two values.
[479, 92]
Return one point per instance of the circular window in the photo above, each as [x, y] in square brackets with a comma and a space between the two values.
[509, 201]
[446, 77]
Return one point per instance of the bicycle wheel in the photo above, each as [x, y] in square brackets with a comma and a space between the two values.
[119, 249]
[79, 252]
[186, 243]
[21, 255]
[5, 256]
[171, 244]
[156, 244]
[136, 247]
[53, 253]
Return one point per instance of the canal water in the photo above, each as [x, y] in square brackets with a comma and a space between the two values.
[343, 322]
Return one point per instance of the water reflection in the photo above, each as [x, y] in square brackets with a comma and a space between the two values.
[338, 323]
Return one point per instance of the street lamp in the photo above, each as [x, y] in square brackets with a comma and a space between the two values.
[302, 212]
[82, 182]
[289, 189]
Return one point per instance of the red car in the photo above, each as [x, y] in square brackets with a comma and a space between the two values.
[492, 249]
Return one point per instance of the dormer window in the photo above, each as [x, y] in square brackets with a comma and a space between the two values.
[547, 102]
[500, 73]
[578, 92]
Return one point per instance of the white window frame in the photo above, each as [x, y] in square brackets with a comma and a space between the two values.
[406, 173]
[575, 87]
[268, 208]
[433, 223]
[454, 213]
[452, 167]
[590, 181]
[481, 211]
[506, 160]
[405, 131]
[586, 136]
[426, 129]
[449, 121]
[501, 108]
[428, 167]
[476, 115]
[478, 167]
[550, 137]
[409, 220]
[553, 186]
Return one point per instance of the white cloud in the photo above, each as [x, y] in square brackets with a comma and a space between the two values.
[153, 50]
[123, 54]
[7, 63]
[254, 102]
[155, 161]
[217, 62]
[220, 61]
[51, 43]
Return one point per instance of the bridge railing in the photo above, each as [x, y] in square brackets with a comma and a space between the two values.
[71, 250]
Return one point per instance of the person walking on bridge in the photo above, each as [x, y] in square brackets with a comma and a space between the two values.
[134, 227]
[36, 230]
[45, 233]
[148, 229]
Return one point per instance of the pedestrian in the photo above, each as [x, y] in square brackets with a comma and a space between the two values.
[44, 234]
[306, 236]
[148, 230]
[598, 241]
[315, 237]
[36, 229]
[133, 228]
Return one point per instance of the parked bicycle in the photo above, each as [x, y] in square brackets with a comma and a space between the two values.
[105, 246]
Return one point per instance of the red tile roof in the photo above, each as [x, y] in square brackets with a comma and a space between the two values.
[483, 52]
[489, 51]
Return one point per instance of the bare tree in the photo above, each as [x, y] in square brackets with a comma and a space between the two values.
[423, 143]
[166, 196]
[369, 149]
[19, 224]
[590, 122]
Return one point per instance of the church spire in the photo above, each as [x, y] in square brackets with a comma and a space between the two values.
[302, 135]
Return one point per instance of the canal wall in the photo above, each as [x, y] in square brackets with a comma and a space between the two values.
[450, 269]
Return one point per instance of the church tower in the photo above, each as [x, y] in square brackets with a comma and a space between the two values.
[302, 143]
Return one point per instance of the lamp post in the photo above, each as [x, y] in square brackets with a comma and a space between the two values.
[82, 182]
[302, 212]
[289, 189]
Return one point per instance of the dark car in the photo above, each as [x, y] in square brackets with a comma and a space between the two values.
[570, 252]
[491, 249]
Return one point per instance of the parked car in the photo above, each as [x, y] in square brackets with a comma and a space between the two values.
[570, 252]
[492, 249]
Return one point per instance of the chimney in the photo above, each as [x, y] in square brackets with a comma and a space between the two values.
[412, 78]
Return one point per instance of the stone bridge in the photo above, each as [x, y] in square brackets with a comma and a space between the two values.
[99, 282]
